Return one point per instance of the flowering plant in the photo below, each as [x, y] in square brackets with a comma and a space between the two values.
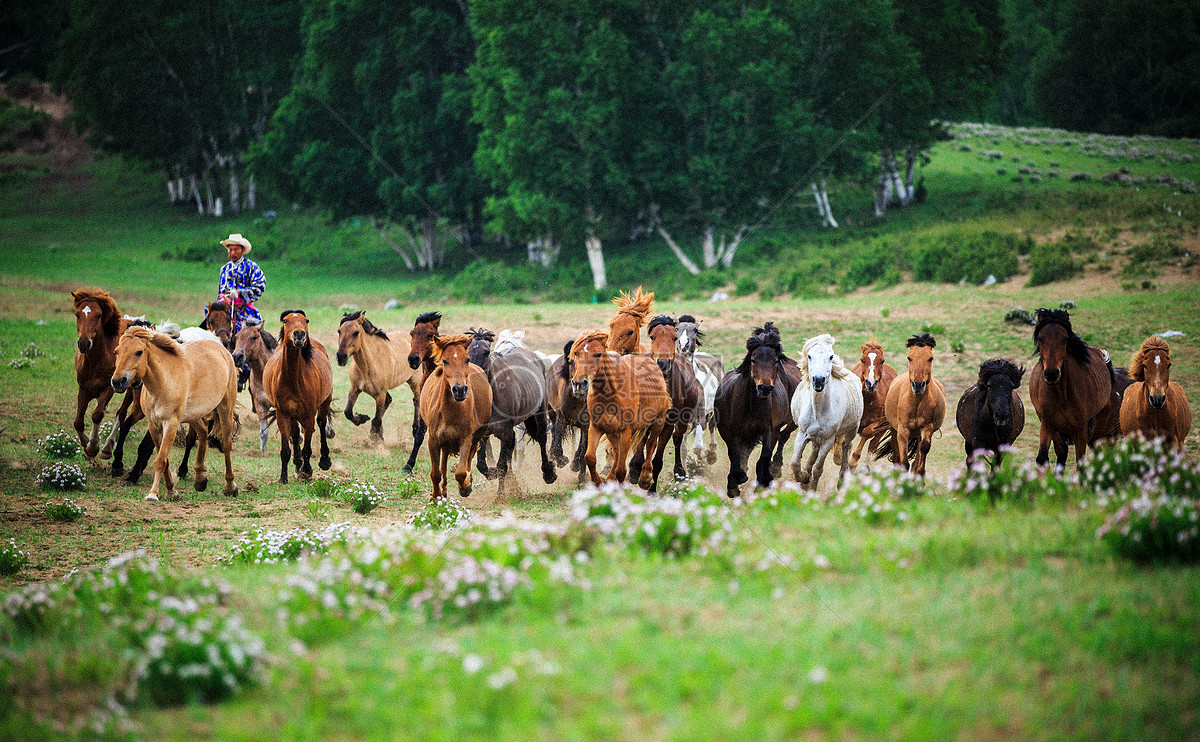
[67, 511]
[1154, 526]
[363, 496]
[442, 513]
[62, 476]
[59, 445]
[12, 558]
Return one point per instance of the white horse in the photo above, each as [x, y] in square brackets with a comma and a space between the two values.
[709, 371]
[509, 339]
[826, 407]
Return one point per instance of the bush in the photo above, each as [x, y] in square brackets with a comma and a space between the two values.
[59, 445]
[745, 286]
[362, 496]
[12, 558]
[1049, 262]
[440, 514]
[673, 527]
[1155, 527]
[67, 511]
[1012, 483]
[871, 264]
[961, 256]
[62, 476]
[1020, 314]
[273, 547]
[1111, 469]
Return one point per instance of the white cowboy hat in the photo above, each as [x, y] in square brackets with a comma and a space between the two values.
[236, 239]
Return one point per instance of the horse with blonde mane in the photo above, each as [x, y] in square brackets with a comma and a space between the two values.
[876, 377]
[380, 363]
[1153, 405]
[298, 380]
[181, 384]
[627, 402]
[826, 408]
[456, 406]
[915, 407]
[625, 328]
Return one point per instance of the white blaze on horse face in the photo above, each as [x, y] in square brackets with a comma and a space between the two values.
[1157, 360]
[86, 311]
[871, 368]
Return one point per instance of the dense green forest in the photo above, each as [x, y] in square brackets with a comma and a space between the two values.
[541, 133]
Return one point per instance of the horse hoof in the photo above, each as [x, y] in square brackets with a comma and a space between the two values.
[201, 485]
[359, 419]
[151, 498]
[711, 457]
[549, 476]
[325, 463]
[106, 455]
[233, 492]
[117, 471]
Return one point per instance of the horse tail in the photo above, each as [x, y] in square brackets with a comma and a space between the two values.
[216, 434]
[888, 441]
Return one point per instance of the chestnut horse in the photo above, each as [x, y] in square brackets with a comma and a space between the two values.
[380, 364]
[752, 407]
[420, 359]
[181, 384]
[876, 377]
[1072, 389]
[1153, 405]
[624, 329]
[687, 398]
[298, 381]
[915, 407]
[99, 325]
[218, 319]
[456, 406]
[627, 402]
[253, 348]
[990, 413]
[566, 411]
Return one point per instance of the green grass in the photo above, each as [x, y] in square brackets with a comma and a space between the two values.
[962, 623]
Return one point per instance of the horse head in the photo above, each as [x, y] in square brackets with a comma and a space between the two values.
[690, 335]
[95, 313]
[351, 331]
[871, 365]
[920, 361]
[663, 339]
[819, 360]
[1151, 364]
[218, 319]
[764, 351]
[587, 353]
[1055, 341]
[295, 331]
[999, 378]
[479, 351]
[251, 342]
[450, 353]
[626, 326]
[423, 332]
[133, 356]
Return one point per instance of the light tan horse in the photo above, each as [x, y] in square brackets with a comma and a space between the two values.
[298, 381]
[380, 364]
[456, 406]
[625, 329]
[181, 384]
[915, 407]
[254, 346]
[1153, 405]
[627, 402]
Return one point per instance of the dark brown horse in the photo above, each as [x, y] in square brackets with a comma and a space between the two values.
[990, 413]
[1155, 406]
[218, 319]
[752, 405]
[687, 398]
[876, 377]
[253, 348]
[1072, 387]
[566, 412]
[420, 359]
[298, 380]
[791, 378]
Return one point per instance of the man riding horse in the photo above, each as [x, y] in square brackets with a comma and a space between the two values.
[242, 282]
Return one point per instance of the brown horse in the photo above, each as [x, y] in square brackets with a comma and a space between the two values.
[1072, 389]
[99, 325]
[420, 359]
[380, 364]
[218, 319]
[253, 348]
[298, 381]
[456, 406]
[627, 402]
[915, 406]
[566, 411]
[876, 377]
[624, 330]
[1153, 405]
[687, 398]
[181, 384]
[791, 377]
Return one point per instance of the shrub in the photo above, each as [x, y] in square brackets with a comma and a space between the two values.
[1021, 484]
[973, 257]
[59, 445]
[62, 476]
[67, 511]
[745, 286]
[936, 329]
[1111, 468]
[646, 523]
[871, 264]
[1051, 261]
[362, 496]
[442, 513]
[1155, 527]
[1020, 314]
[272, 547]
[409, 487]
[12, 558]
[958, 346]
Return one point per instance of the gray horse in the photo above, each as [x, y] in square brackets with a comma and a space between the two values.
[518, 380]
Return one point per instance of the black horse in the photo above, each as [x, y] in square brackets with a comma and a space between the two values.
[990, 413]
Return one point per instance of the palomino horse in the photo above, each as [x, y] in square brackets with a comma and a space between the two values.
[420, 359]
[298, 381]
[456, 405]
[915, 406]
[826, 408]
[518, 382]
[1071, 388]
[253, 348]
[380, 364]
[708, 371]
[624, 329]
[990, 413]
[99, 326]
[752, 407]
[181, 384]
[566, 411]
[1153, 405]
[627, 402]
[876, 377]
[687, 398]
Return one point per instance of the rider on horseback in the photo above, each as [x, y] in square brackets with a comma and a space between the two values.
[242, 282]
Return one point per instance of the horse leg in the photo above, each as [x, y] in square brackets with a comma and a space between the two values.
[578, 464]
[862, 441]
[434, 469]
[418, 438]
[285, 452]
[81, 405]
[118, 421]
[798, 472]
[162, 466]
[1081, 447]
[144, 452]
[297, 449]
[764, 470]
[711, 456]
[325, 429]
[199, 433]
[817, 467]
[118, 464]
[357, 419]
[508, 443]
[93, 446]
[556, 440]
[620, 444]
[589, 458]
[1044, 441]
[736, 474]
[900, 447]
[481, 456]
[381, 405]
[189, 441]
[664, 437]
[847, 442]
[923, 451]
[309, 427]
[462, 474]
[263, 424]
[536, 426]
[156, 435]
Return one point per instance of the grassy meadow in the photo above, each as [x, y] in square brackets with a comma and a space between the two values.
[956, 621]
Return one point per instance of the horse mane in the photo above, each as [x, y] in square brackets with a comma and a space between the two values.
[636, 305]
[442, 342]
[486, 336]
[292, 311]
[763, 337]
[565, 372]
[109, 314]
[871, 345]
[368, 328]
[590, 336]
[220, 306]
[658, 321]
[839, 370]
[924, 339]
[1076, 348]
[1137, 364]
[699, 332]
[268, 339]
[157, 339]
[1001, 367]
[428, 317]
[139, 322]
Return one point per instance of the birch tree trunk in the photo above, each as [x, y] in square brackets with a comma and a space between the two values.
[683, 258]
[398, 248]
[728, 251]
[171, 189]
[428, 235]
[543, 250]
[822, 199]
[595, 253]
[707, 249]
[252, 194]
[235, 196]
[195, 192]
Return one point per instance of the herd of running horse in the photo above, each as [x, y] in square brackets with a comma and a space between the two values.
[607, 384]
